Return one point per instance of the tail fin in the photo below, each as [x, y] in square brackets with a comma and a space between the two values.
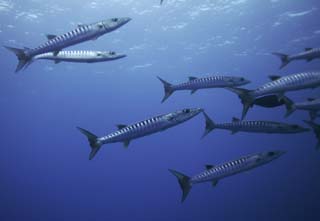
[184, 183]
[209, 125]
[246, 99]
[23, 59]
[289, 106]
[167, 89]
[95, 146]
[316, 130]
[284, 59]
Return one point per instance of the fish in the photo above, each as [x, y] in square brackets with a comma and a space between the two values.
[308, 54]
[79, 56]
[56, 43]
[126, 133]
[195, 84]
[269, 127]
[269, 101]
[278, 86]
[214, 174]
[316, 129]
[312, 105]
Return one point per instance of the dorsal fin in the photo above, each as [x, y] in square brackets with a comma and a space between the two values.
[308, 49]
[192, 78]
[121, 126]
[234, 119]
[208, 167]
[311, 99]
[274, 77]
[49, 37]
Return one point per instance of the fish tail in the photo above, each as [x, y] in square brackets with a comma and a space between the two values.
[210, 125]
[184, 182]
[22, 57]
[290, 107]
[167, 89]
[316, 129]
[247, 99]
[93, 141]
[284, 59]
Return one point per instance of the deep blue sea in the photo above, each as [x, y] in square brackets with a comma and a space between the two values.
[44, 166]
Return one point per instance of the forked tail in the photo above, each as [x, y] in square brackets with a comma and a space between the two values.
[167, 89]
[209, 125]
[284, 59]
[316, 129]
[246, 99]
[22, 57]
[93, 141]
[290, 107]
[184, 182]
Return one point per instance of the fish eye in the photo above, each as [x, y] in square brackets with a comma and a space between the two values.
[114, 19]
[112, 53]
[100, 25]
[186, 111]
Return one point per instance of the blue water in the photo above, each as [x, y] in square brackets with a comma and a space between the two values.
[44, 166]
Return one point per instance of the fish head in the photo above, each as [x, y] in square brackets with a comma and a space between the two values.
[292, 128]
[109, 55]
[183, 115]
[266, 157]
[111, 24]
[237, 81]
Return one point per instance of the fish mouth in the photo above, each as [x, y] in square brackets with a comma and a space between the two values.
[125, 20]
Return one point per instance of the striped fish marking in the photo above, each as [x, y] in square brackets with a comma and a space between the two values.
[309, 54]
[143, 128]
[80, 56]
[57, 43]
[215, 173]
[195, 84]
[253, 126]
[278, 86]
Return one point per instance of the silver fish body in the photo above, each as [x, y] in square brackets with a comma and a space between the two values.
[56, 43]
[309, 54]
[215, 173]
[195, 84]
[284, 84]
[126, 133]
[80, 56]
[269, 127]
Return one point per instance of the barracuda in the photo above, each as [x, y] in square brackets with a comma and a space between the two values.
[278, 86]
[80, 56]
[78, 35]
[127, 133]
[214, 174]
[311, 105]
[309, 54]
[195, 84]
[269, 127]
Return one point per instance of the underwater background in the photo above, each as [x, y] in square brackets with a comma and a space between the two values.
[44, 166]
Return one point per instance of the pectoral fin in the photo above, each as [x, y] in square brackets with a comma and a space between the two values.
[193, 91]
[126, 143]
[55, 53]
[214, 183]
[57, 61]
